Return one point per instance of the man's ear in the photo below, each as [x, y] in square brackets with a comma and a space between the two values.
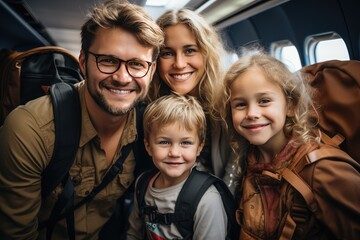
[82, 62]
[147, 147]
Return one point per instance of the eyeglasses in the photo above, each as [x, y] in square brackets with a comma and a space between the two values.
[109, 64]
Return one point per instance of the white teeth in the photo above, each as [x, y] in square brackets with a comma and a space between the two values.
[181, 76]
[120, 91]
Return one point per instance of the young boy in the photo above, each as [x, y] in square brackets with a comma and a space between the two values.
[174, 134]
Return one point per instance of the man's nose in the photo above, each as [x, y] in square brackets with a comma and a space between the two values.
[122, 75]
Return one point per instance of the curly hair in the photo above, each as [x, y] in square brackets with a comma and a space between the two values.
[293, 88]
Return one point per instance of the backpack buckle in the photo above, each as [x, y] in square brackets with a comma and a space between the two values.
[156, 217]
[151, 212]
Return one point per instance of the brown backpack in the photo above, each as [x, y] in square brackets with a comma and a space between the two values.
[335, 87]
[27, 75]
[304, 201]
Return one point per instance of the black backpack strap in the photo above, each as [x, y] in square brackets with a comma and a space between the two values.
[115, 169]
[143, 160]
[233, 228]
[141, 187]
[190, 195]
[66, 198]
[188, 200]
[67, 120]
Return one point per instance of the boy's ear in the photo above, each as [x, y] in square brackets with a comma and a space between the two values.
[200, 148]
[147, 147]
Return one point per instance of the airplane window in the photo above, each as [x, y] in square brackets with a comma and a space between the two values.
[331, 49]
[325, 47]
[286, 52]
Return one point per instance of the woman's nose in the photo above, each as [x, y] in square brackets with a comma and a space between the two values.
[180, 61]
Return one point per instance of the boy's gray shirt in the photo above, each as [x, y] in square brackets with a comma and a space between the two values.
[210, 219]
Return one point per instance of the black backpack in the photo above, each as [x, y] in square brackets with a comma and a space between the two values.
[29, 74]
[186, 204]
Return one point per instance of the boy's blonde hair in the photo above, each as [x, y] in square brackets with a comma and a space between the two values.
[292, 85]
[172, 108]
[211, 47]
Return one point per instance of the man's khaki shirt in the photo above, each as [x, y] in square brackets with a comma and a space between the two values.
[26, 146]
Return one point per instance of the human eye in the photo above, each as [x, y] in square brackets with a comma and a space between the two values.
[264, 101]
[137, 64]
[108, 60]
[187, 143]
[190, 51]
[238, 105]
[163, 142]
[166, 54]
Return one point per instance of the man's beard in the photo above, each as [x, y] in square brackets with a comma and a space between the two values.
[101, 101]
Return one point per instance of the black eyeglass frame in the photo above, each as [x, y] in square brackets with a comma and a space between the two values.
[119, 65]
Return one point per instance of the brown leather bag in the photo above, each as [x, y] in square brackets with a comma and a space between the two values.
[304, 201]
[335, 89]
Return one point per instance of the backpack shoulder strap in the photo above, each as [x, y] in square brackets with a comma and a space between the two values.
[141, 187]
[67, 120]
[229, 204]
[143, 160]
[328, 153]
[189, 197]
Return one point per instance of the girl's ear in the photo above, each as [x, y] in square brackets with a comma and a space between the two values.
[290, 112]
[147, 147]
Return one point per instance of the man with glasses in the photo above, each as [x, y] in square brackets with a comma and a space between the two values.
[120, 43]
